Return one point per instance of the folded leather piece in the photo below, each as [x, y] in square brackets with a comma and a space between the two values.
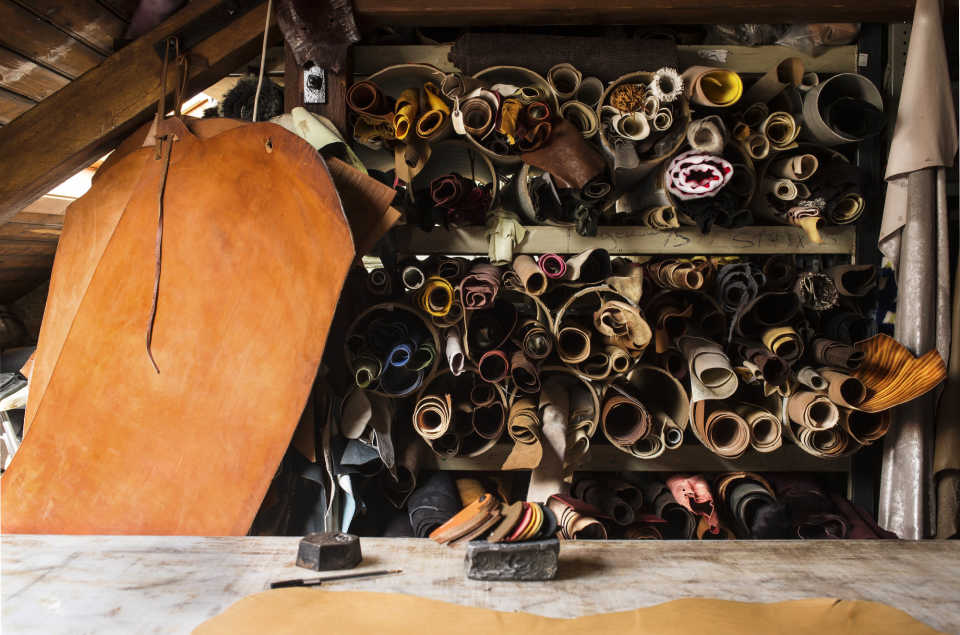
[854, 280]
[622, 326]
[693, 493]
[892, 375]
[531, 276]
[567, 156]
[572, 523]
[711, 375]
[784, 342]
[707, 135]
[816, 291]
[582, 116]
[837, 354]
[694, 175]
[712, 87]
[479, 288]
[766, 434]
[789, 72]
[524, 428]
[798, 167]
[553, 266]
[432, 504]
[526, 376]
[510, 516]
[812, 411]
[565, 80]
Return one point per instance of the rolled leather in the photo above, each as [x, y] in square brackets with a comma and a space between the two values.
[810, 378]
[681, 523]
[565, 80]
[783, 189]
[453, 348]
[366, 99]
[712, 87]
[708, 135]
[590, 91]
[789, 72]
[435, 297]
[781, 129]
[595, 493]
[737, 285]
[531, 276]
[766, 434]
[766, 311]
[405, 113]
[693, 493]
[493, 366]
[893, 375]
[478, 115]
[525, 375]
[847, 209]
[479, 288]
[553, 266]
[757, 146]
[854, 280]
[567, 156]
[379, 282]
[694, 175]
[816, 291]
[488, 329]
[432, 416]
[524, 428]
[583, 117]
[844, 390]
[836, 354]
[573, 524]
[627, 279]
[434, 113]
[624, 421]
[812, 411]
[573, 344]
[622, 325]
[784, 342]
[779, 272]
[709, 368]
[775, 370]
[798, 167]
[588, 267]
[864, 427]
[721, 429]
[663, 218]
[535, 340]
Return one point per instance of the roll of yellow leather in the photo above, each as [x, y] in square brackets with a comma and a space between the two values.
[405, 113]
[714, 87]
[436, 296]
[509, 113]
[436, 111]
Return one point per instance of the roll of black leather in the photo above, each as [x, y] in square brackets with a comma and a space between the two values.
[433, 504]
[473, 52]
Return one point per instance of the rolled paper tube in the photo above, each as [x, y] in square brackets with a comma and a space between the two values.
[633, 126]
[565, 80]
[480, 287]
[798, 167]
[432, 416]
[366, 370]
[666, 85]
[651, 106]
[757, 146]
[625, 421]
[783, 189]
[493, 366]
[663, 120]
[784, 342]
[582, 117]
[663, 218]
[843, 389]
[847, 209]
[536, 343]
[816, 291]
[435, 115]
[712, 87]
[590, 91]
[553, 266]
[810, 79]
[837, 354]
[531, 276]
[622, 325]
[854, 280]
[423, 357]
[436, 296]
[405, 113]
[707, 135]
[525, 375]
[366, 98]
[454, 350]
[412, 277]
[727, 433]
[482, 394]
[766, 434]
[379, 282]
[478, 116]
[864, 427]
[509, 115]
[789, 72]
[573, 344]
[812, 410]
[803, 192]
[810, 378]
[523, 426]
[489, 421]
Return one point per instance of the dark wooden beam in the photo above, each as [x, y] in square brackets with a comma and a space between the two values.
[69, 130]
[575, 12]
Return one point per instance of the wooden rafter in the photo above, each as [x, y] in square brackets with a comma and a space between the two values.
[88, 117]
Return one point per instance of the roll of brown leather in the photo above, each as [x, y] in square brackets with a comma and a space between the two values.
[837, 354]
[533, 279]
[524, 427]
[843, 389]
[624, 420]
[768, 310]
[535, 340]
[432, 416]
[724, 432]
[812, 411]
[621, 325]
[493, 366]
[365, 98]
[525, 375]
[865, 427]
[489, 420]
[573, 344]
[854, 280]
[567, 156]
[766, 434]
[478, 116]
[780, 273]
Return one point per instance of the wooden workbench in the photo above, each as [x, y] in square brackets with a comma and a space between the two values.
[145, 584]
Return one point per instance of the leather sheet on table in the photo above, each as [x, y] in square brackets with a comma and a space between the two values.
[473, 52]
[294, 611]
[216, 339]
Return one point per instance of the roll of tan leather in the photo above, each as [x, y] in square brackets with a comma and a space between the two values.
[621, 325]
[478, 116]
[573, 344]
[712, 87]
[865, 427]
[798, 167]
[843, 389]
[810, 378]
[533, 279]
[707, 134]
[624, 421]
[757, 146]
[572, 523]
[565, 80]
[663, 218]
[523, 426]
[583, 117]
[781, 129]
[590, 92]
[812, 411]
[721, 430]
[766, 434]
[525, 375]
[432, 416]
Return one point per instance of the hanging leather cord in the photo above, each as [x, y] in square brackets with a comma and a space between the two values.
[263, 61]
[164, 151]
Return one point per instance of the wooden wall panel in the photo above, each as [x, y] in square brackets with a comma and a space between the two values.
[29, 35]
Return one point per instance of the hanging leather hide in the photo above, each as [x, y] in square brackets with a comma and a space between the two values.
[254, 254]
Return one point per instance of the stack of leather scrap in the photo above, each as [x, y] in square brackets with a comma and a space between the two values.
[657, 147]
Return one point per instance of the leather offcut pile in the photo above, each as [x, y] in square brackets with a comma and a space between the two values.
[659, 149]
[739, 355]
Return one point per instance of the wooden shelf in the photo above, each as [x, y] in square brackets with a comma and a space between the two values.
[606, 458]
[633, 241]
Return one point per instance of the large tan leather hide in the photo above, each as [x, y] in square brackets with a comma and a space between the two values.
[255, 251]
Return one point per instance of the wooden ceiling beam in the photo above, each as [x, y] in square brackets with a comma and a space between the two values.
[90, 116]
[576, 12]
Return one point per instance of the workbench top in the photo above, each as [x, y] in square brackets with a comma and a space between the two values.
[170, 584]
